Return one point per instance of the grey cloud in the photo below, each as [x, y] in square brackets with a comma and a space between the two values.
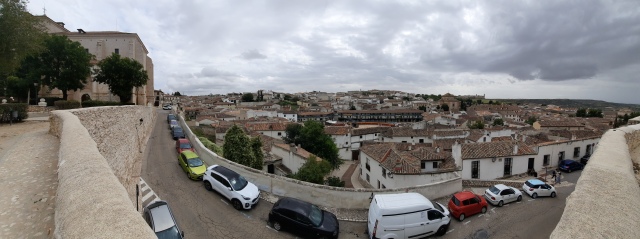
[252, 55]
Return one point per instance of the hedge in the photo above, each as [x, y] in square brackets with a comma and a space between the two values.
[210, 145]
[67, 104]
[6, 109]
[97, 103]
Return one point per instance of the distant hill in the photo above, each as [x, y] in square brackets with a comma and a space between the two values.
[595, 104]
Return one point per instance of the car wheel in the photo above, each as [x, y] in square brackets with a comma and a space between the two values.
[461, 217]
[441, 231]
[276, 225]
[236, 204]
[553, 194]
[520, 198]
[484, 210]
[535, 195]
[207, 185]
[500, 203]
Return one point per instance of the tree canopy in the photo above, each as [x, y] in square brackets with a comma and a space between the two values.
[498, 122]
[313, 170]
[312, 138]
[531, 120]
[237, 146]
[122, 74]
[247, 97]
[21, 34]
[62, 64]
[445, 107]
[258, 157]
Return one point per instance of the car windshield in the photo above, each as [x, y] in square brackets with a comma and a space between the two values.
[185, 146]
[437, 206]
[170, 233]
[194, 162]
[177, 129]
[455, 200]
[315, 215]
[238, 183]
[494, 190]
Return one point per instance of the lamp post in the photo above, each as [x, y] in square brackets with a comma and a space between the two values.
[36, 86]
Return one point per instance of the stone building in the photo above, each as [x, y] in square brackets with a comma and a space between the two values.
[102, 44]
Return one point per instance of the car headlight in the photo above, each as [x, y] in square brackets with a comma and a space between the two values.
[246, 198]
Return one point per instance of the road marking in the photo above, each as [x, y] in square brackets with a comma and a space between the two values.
[467, 222]
[246, 215]
[481, 215]
[147, 196]
[449, 231]
[224, 201]
[145, 187]
[272, 228]
[518, 202]
[530, 200]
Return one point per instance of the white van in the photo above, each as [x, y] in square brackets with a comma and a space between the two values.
[406, 215]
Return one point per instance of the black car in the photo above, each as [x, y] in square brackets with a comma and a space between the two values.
[171, 117]
[585, 159]
[160, 218]
[177, 132]
[569, 165]
[303, 218]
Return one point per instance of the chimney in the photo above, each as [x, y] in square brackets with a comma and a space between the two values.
[410, 147]
[293, 148]
[438, 149]
[515, 148]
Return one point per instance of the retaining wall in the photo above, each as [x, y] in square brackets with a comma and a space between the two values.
[327, 196]
[91, 201]
[605, 202]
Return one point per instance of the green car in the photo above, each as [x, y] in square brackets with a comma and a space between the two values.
[192, 164]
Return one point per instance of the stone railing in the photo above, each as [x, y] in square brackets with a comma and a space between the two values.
[489, 183]
[605, 202]
[322, 195]
[97, 147]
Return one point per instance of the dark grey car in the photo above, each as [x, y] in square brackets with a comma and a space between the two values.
[160, 218]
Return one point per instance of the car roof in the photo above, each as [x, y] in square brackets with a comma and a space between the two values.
[464, 195]
[501, 186]
[183, 141]
[402, 200]
[295, 205]
[189, 154]
[228, 173]
[161, 216]
[535, 181]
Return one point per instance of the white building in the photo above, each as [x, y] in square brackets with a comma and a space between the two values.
[293, 157]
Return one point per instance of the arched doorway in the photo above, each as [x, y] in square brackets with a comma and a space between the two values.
[85, 97]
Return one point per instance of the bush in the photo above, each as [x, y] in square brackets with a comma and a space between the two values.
[67, 104]
[210, 145]
[97, 103]
[6, 109]
[334, 181]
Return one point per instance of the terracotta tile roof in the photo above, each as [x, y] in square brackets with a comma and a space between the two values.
[370, 130]
[559, 123]
[494, 149]
[407, 132]
[337, 130]
[475, 135]
[446, 144]
[501, 138]
[299, 151]
[449, 133]
[268, 126]
[399, 161]
[380, 111]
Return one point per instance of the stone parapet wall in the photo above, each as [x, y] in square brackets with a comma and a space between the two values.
[91, 202]
[322, 195]
[605, 202]
[121, 138]
[489, 183]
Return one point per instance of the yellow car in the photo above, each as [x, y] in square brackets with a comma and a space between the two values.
[192, 164]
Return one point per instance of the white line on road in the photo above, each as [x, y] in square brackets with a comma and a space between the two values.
[481, 215]
[246, 215]
[145, 187]
[224, 201]
[272, 228]
[467, 222]
[449, 231]
[145, 197]
[530, 200]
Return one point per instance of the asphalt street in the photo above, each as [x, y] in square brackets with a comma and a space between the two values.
[204, 214]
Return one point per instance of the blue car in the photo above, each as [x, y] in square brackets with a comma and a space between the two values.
[569, 165]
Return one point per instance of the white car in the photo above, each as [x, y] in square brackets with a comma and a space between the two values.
[166, 107]
[536, 187]
[501, 194]
[241, 193]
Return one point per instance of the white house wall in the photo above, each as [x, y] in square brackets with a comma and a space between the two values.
[398, 180]
[273, 133]
[292, 161]
[490, 170]
[553, 150]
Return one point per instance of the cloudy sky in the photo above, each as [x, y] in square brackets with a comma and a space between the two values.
[577, 49]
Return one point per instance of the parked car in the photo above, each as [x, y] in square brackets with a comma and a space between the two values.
[192, 165]
[166, 107]
[466, 203]
[242, 193]
[536, 187]
[173, 123]
[585, 159]
[171, 117]
[406, 215]
[161, 220]
[501, 194]
[177, 133]
[303, 218]
[569, 165]
[184, 144]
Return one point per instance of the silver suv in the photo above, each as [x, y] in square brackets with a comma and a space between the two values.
[241, 193]
[159, 216]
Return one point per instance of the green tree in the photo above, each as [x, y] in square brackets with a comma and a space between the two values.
[237, 146]
[498, 122]
[177, 93]
[479, 102]
[476, 125]
[313, 170]
[258, 157]
[248, 97]
[63, 64]
[122, 75]
[316, 141]
[423, 108]
[531, 120]
[445, 107]
[595, 113]
[582, 112]
[292, 134]
[21, 35]
[334, 182]
[287, 97]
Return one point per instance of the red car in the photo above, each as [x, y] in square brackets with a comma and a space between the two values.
[184, 144]
[465, 203]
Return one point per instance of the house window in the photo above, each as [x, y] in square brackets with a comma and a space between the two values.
[546, 159]
[421, 141]
[484, 139]
[279, 133]
[117, 51]
[378, 183]
[360, 136]
[475, 169]
[368, 178]
[588, 149]
[383, 187]
[576, 152]
[560, 156]
[435, 165]
[507, 166]
[384, 173]
[366, 165]
[404, 141]
[423, 164]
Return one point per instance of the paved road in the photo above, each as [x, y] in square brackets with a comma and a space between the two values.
[204, 214]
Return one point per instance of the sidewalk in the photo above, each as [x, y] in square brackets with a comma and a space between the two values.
[28, 172]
